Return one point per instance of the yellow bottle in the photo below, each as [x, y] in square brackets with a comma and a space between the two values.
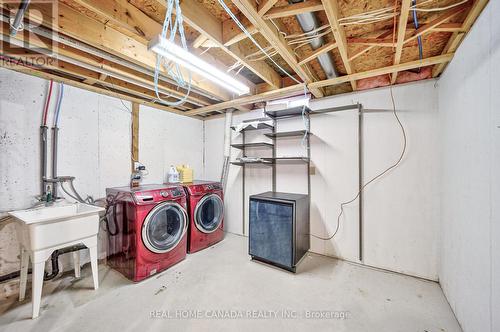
[185, 173]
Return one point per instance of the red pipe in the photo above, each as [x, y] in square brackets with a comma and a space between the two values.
[46, 110]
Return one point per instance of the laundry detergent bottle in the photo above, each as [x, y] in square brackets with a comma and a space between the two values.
[173, 175]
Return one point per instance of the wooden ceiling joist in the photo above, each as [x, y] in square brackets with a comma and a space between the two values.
[211, 27]
[108, 68]
[403, 21]
[295, 89]
[231, 32]
[294, 9]
[93, 88]
[316, 53]
[85, 29]
[385, 70]
[269, 95]
[247, 8]
[332, 13]
[265, 6]
[437, 21]
[109, 52]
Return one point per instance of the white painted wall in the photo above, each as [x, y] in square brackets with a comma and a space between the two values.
[401, 209]
[469, 104]
[95, 139]
[169, 139]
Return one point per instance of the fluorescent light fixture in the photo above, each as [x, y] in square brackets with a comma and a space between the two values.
[177, 54]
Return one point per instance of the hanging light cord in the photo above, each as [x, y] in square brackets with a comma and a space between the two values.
[170, 28]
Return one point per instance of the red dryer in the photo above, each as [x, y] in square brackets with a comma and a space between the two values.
[147, 229]
[206, 214]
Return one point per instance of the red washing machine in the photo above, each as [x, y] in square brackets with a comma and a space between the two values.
[206, 214]
[147, 229]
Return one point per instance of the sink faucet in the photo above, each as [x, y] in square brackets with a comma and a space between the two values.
[47, 197]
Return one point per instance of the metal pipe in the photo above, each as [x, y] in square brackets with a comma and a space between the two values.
[360, 180]
[309, 22]
[55, 141]
[43, 155]
[16, 24]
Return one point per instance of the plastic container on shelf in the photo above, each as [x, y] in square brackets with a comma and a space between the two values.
[173, 175]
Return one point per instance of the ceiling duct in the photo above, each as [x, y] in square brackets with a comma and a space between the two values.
[309, 22]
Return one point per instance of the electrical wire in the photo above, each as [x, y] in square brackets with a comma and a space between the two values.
[419, 38]
[249, 36]
[415, 9]
[47, 103]
[58, 105]
[396, 164]
[170, 28]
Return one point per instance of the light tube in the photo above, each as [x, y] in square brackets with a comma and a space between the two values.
[177, 54]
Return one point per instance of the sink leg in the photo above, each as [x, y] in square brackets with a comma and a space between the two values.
[76, 262]
[93, 262]
[25, 259]
[37, 283]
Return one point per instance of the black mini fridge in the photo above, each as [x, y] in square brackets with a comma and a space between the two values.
[279, 228]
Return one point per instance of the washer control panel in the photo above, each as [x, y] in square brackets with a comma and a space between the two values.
[176, 192]
[213, 186]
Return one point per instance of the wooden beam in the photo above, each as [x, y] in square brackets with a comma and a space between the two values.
[72, 82]
[403, 21]
[85, 29]
[385, 70]
[135, 133]
[449, 27]
[231, 33]
[247, 8]
[92, 78]
[120, 71]
[122, 14]
[317, 52]
[294, 9]
[332, 13]
[365, 49]
[211, 27]
[274, 94]
[377, 42]
[456, 37]
[143, 28]
[265, 6]
[199, 41]
[437, 21]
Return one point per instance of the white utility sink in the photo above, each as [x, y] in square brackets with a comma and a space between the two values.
[44, 229]
[55, 212]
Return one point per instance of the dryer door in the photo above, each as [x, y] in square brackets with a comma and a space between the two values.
[164, 227]
[209, 213]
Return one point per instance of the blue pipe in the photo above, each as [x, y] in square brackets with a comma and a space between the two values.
[419, 38]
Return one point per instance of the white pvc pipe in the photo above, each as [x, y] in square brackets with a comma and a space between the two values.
[227, 147]
[227, 133]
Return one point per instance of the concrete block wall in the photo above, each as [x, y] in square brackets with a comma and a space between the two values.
[94, 146]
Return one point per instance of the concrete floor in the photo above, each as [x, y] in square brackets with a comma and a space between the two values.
[222, 282]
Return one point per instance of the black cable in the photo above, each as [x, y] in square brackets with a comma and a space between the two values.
[376, 177]
[111, 203]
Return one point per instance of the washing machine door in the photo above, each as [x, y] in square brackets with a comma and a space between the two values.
[209, 213]
[164, 227]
